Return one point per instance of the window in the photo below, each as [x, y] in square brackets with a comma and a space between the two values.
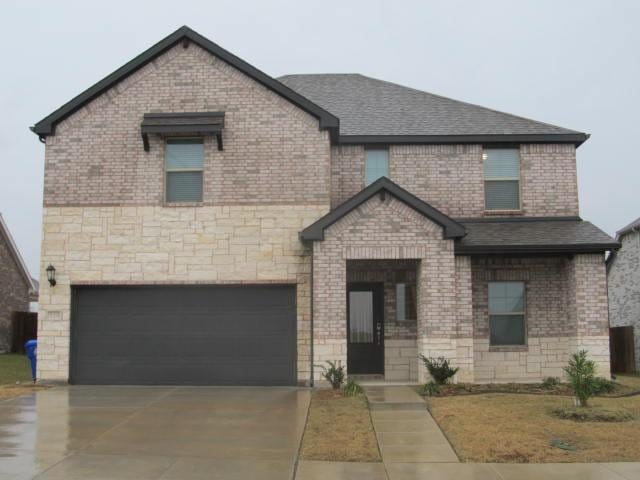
[501, 179]
[506, 313]
[376, 165]
[183, 160]
[405, 302]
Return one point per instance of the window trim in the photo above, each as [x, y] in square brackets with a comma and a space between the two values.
[182, 170]
[518, 179]
[375, 149]
[525, 340]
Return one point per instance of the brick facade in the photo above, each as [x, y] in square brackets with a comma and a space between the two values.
[450, 177]
[565, 311]
[14, 293]
[274, 153]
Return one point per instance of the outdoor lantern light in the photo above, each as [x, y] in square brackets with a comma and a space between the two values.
[51, 275]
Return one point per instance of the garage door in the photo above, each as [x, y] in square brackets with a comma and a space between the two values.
[184, 335]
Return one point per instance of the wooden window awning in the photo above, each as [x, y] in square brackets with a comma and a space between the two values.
[182, 124]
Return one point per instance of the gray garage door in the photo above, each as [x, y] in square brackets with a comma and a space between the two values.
[184, 335]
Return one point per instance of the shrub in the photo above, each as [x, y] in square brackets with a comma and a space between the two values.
[593, 414]
[439, 369]
[430, 389]
[352, 388]
[333, 373]
[550, 383]
[581, 372]
[602, 385]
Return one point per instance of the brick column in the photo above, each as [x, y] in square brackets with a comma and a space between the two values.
[329, 305]
[588, 308]
[436, 285]
[464, 313]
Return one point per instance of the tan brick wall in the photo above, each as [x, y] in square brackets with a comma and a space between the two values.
[450, 177]
[566, 309]
[147, 245]
[273, 151]
[14, 293]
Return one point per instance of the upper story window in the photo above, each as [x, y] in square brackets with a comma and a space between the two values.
[183, 161]
[506, 313]
[376, 165]
[501, 179]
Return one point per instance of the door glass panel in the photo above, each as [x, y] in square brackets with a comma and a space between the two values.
[361, 317]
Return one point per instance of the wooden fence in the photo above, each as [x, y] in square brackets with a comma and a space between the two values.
[24, 326]
[622, 351]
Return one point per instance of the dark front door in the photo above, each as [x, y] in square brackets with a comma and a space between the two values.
[365, 345]
[184, 335]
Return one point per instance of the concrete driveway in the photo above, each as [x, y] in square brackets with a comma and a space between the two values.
[152, 433]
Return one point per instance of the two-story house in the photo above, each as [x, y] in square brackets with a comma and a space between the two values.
[209, 224]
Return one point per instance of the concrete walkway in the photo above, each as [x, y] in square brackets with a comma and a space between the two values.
[414, 448]
[405, 429]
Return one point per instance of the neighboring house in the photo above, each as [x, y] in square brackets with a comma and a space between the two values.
[17, 288]
[210, 224]
[623, 268]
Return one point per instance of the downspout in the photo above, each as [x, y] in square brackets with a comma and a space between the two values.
[311, 322]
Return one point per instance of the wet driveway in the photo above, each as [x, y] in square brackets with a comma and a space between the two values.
[152, 433]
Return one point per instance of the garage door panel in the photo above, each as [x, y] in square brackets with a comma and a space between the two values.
[198, 335]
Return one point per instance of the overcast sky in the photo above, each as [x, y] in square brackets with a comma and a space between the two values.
[571, 63]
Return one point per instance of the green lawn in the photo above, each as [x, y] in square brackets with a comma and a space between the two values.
[14, 368]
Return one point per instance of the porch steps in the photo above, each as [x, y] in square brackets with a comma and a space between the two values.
[405, 429]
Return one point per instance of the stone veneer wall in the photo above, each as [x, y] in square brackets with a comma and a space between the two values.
[565, 310]
[14, 293]
[147, 245]
[624, 288]
[384, 229]
[450, 177]
[400, 347]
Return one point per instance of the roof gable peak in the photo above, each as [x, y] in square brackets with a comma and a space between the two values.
[184, 34]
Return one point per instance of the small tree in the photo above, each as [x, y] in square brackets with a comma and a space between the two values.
[439, 369]
[581, 372]
[333, 373]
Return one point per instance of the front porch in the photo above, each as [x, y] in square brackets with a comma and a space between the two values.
[392, 280]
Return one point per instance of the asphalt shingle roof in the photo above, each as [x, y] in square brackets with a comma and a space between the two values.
[367, 106]
[543, 235]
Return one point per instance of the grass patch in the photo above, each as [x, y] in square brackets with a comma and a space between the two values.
[519, 428]
[14, 368]
[339, 429]
[593, 414]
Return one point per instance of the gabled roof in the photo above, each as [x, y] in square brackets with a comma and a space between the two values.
[47, 125]
[549, 235]
[635, 225]
[315, 231]
[15, 253]
[376, 111]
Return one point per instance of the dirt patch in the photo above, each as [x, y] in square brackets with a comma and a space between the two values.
[10, 391]
[623, 386]
[521, 428]
[339, 429]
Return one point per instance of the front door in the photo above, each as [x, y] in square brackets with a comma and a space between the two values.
[365, 325]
